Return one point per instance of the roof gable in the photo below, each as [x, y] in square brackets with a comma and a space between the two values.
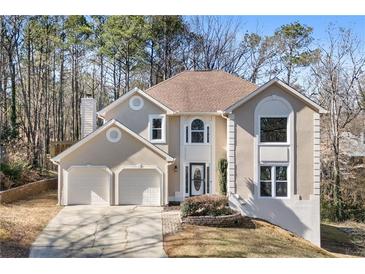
[284, 86]
[126, 96]
[107, 125]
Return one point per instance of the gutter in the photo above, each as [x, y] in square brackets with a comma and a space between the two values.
[177, 113]
[223, 114]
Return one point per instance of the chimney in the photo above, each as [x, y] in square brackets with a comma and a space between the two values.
[88, 115]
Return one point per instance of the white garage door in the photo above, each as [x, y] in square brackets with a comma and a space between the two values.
[88, 185]
[140, 187]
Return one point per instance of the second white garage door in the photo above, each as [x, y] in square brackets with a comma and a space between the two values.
[140, 187]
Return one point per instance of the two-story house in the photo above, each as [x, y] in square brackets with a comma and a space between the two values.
[164, 144]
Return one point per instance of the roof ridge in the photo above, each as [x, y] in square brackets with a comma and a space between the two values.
[164, 81]
[230, 74]
[204, 70]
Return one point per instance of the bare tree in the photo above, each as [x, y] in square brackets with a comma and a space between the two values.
[337, 77]
[217, 44]
[262, 56]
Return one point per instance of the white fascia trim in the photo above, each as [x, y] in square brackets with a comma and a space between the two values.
[178, 113]
[124, 97]
[284, 86]
[57, 158]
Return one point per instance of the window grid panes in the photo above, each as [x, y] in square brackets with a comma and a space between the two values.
[156, 128]
[197, 131]
[273, 129]
[281, 183]
[273, 181]
[265, 181]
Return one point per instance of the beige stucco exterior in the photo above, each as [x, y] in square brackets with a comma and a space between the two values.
[136, 120]
[173, 139]
[303, 143]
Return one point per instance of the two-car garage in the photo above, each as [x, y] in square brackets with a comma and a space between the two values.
[98, 185]
[98, 171]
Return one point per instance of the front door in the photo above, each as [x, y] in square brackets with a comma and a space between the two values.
[197, 179]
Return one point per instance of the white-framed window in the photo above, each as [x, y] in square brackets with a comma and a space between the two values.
[113, 135]
[274, 181]
[273, 129]
[157, 128]
[136, 102]
[197, 131]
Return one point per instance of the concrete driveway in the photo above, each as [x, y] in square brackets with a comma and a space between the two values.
[102, 231]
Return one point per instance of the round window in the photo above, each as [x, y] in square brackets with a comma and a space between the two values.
[136, 103]
[113, 135]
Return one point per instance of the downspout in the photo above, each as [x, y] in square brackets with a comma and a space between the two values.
[231, 157]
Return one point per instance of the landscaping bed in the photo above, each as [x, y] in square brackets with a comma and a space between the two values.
[22, 221]
[232, 220]
[212, 210]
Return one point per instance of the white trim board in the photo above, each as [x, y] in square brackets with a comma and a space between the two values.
[124, 97]
[57, 158]
[285, 87]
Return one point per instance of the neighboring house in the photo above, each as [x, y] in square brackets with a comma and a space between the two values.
[164, 144]
[352, 145]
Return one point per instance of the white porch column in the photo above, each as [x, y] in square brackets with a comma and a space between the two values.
[231, 154]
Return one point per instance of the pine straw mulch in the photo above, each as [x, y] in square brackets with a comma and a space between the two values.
[22, 221]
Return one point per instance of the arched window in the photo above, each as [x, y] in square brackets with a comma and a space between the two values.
[197, 131]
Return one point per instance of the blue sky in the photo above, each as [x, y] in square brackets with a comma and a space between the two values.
[267, 25]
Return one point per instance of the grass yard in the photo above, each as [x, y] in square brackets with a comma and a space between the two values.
[344, 239]
[265, 241]
[22, 221]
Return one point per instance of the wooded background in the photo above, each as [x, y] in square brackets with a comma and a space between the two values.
[48, 63]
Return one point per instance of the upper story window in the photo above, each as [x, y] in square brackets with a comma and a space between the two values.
[197, 131]
[273, 129]
[157, 128]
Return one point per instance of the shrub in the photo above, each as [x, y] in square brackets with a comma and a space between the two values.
[222, 168]
[13, 171]
[206, 205]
